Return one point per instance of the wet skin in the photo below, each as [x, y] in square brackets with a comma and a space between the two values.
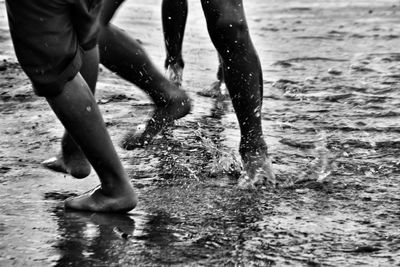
[229, 33]
[71, 159]
[76, 108]
[174, 17]
[123, 55]
[239, 67]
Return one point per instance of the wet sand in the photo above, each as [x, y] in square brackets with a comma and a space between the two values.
[331, 119]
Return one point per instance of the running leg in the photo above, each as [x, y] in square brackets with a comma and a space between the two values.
[174, 15]
[123, 55]
[229, 32]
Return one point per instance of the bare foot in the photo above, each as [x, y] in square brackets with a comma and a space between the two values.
[98, 201]
[78, 166]
[175, 73]
[257, 170]
[163, 117]
[216, 90]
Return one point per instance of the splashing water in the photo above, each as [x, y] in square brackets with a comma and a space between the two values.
[319, 168]
[257, 172]
[321, 159]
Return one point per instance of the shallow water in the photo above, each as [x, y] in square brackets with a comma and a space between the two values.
[331, 119]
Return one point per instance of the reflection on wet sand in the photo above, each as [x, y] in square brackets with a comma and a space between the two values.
[99, 239]
[89, 239]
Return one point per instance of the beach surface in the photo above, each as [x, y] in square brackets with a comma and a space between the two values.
[331, 118]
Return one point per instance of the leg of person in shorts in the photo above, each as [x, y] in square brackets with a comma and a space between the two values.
[229, 33]
[124, 55]
[174, 16]
[57, 50]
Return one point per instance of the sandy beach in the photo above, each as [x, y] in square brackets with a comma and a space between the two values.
[331, 119]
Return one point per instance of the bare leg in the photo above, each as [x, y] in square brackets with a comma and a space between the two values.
[71, 158]
[174, 15]
[123, 55]
[77, 110]
[229, 32]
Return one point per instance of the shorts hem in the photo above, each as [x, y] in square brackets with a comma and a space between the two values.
[43, 87]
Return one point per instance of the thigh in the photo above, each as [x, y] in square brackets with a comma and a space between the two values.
[109, 9]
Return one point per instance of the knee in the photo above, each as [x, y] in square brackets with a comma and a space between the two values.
[231, 39]
[229, 28]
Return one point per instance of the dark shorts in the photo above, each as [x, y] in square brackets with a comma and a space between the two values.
[49, 36]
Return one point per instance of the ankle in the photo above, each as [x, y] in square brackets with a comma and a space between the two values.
[178, 62]
[166, 93]
[253, 146]
[176, 95]
[116, 187]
